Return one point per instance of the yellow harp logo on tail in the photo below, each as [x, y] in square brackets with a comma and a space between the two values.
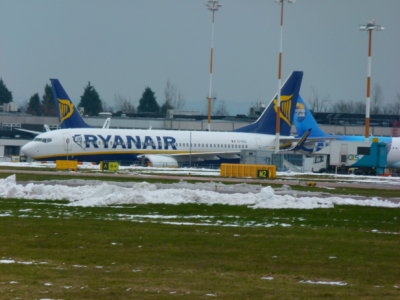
[66, 109]
[286, 108]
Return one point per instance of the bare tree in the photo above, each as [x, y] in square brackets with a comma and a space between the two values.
[107, 107]
[221, 109]
[348, 106]
[317, 104]
[396, 104]
[342, 106]
[377, 99]
[180, 101]
[394, 107]
[124, 104]
[359, 107]
[173, 97]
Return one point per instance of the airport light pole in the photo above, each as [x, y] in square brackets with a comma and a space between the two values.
[371, 26]
[278, 102]
[213, 6]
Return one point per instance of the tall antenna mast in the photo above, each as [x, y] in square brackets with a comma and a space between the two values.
[213, 6]
[278, 102]
[371, 26]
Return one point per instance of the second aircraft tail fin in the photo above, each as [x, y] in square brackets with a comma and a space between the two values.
[67, 112]
[304, 120]
[266, 123]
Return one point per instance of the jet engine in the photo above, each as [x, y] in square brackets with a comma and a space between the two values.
[156, 160]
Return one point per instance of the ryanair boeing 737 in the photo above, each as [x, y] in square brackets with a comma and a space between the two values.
[77, 140]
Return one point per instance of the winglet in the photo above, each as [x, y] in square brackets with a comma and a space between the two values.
[300, 144]
[107, 123]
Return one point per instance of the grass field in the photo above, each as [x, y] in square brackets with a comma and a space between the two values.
[49, 250]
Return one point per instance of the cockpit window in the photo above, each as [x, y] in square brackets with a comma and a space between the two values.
[48, 140]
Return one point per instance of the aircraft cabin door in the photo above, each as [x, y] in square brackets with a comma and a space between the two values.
[67, 142]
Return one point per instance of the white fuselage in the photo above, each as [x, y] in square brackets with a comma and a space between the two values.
[95, 144]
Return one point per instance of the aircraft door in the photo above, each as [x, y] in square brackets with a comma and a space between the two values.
[67, 142]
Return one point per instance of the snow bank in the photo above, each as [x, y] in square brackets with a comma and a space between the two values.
[107, 193]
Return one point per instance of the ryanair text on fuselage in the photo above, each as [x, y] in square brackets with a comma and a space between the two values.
[125, 142]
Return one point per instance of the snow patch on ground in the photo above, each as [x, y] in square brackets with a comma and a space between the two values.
[267, 278]
[13, 261]
[325, 282]
[108, 193]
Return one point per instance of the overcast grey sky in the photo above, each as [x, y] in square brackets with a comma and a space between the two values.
[122, 46]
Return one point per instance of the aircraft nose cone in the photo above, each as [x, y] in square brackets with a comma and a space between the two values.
[28, 149]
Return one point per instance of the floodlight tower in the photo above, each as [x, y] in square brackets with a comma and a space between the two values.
[371, 26]
[278, 102]
[213, 6]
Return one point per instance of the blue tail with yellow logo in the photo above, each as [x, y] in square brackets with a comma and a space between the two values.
[67, 112]
[266, 123]
[304, 120]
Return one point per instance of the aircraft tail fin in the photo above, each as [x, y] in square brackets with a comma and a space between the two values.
[67, 113]
[304, 120]
[266, 123]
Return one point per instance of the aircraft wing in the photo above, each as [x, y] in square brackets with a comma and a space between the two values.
[30, 131]
[200, 156]
[34, 132]
[305, 144]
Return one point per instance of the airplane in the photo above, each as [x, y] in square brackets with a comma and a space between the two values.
[304, 120]
[76, 140]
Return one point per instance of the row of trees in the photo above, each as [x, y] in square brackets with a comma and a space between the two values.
[378, 105]
[44, 106]
[148, 102]
[92, 104]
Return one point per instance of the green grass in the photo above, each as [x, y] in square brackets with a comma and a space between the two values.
[27, 168]
[96, 253]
